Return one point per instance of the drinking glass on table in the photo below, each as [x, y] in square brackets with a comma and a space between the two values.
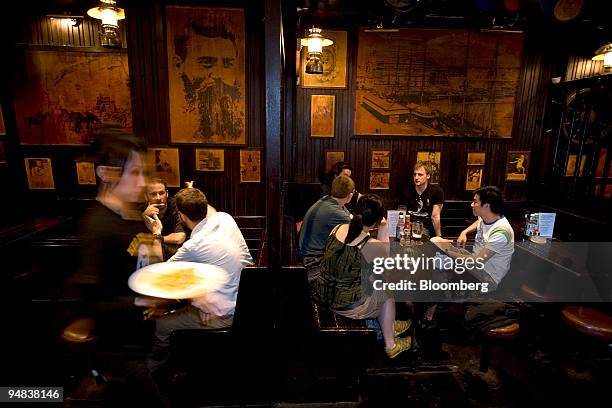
[417, 230]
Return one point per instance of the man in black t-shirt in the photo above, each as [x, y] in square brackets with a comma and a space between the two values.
[165, 208]
[423, 197]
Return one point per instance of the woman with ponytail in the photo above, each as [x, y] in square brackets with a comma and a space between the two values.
[346, 266]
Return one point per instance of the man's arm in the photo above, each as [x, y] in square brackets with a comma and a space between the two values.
[435, 219]
[463, 236]
[176, 238]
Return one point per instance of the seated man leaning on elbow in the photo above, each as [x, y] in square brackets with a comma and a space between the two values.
[320, 219]
[214, 240]
[164, 208]
[494, 244]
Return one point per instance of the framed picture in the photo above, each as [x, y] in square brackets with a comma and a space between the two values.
[601, 162]
[210, 160]
[473, 179]
[322, 115]
[40, 173]
[334, 63]
[250, 166]
[570, 169]
[2, 128]
[166, 165]
[432, 158]
[517, 165]
[380, 158]
[379, 180]
[331, 158]
[206, 75]
[476, 159]
[66, 95]
[86, 175]
[397, 71]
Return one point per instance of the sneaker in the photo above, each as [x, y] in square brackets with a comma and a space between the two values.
[400, 326]
[401, 344]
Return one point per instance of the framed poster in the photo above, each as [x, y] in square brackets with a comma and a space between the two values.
[570, 169]
[400, 76]
[40, 173]
[331, 158]
[473, 180]
[166, 165]
[476, 159]
[66, 95]
[2, 152]
[250, 166]
[86, 174]
[210, 160]
[2, 128]
[517, 166]
[601, 162]
[334, 63]
[322, 112]
[380, 158]
[432, 158]
[206, 75]
[379, 180]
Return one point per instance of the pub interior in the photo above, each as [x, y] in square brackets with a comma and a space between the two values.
[255, 104]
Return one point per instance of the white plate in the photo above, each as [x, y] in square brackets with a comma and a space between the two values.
[204, 279]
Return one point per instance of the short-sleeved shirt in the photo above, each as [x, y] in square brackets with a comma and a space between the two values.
[432, 195]
[499, 238]
[319, 220]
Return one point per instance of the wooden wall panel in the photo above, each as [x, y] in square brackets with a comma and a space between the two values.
[307, 155]
[579, 67]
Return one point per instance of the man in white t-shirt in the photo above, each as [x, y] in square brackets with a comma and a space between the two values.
[494, 243]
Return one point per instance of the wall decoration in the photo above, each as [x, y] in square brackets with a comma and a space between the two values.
[380, 158]
[379, 180]
[250, 166]
[206, 75]
[608, 191]
[322, 112]
[437, 82]
[2, 128]
[66, 95]
[476, 159]
[85, 173]
[334, 63]
[473, 179]
[40, 173]
[433, 159]
[517, 166]
[210, 160]
[331, 158]
[570, 169]
[601, 162]
[165, 162]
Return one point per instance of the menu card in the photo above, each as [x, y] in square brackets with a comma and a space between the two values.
[546, 224]
[392, 219]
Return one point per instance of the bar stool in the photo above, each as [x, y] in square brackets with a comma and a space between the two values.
[80, 335]
[493, 336]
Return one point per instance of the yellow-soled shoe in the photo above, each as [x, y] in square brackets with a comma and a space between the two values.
[401, 344]
[400, 326]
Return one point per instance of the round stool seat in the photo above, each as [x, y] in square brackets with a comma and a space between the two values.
[504, 332]
[589, 321]
[80, 331]
[535, 295]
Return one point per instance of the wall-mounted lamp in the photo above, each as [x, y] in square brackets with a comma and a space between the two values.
[315, 43]
[604, 53]
[110, 15]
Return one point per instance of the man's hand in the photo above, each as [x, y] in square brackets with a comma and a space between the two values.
[462, 239]
[154, 224]
[150, 211]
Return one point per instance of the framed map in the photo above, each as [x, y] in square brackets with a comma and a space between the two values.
[334, 63]
[250, 166]
[210, 160]
[322, 112]
[66, 95]
[437, 82]
[206, 75]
